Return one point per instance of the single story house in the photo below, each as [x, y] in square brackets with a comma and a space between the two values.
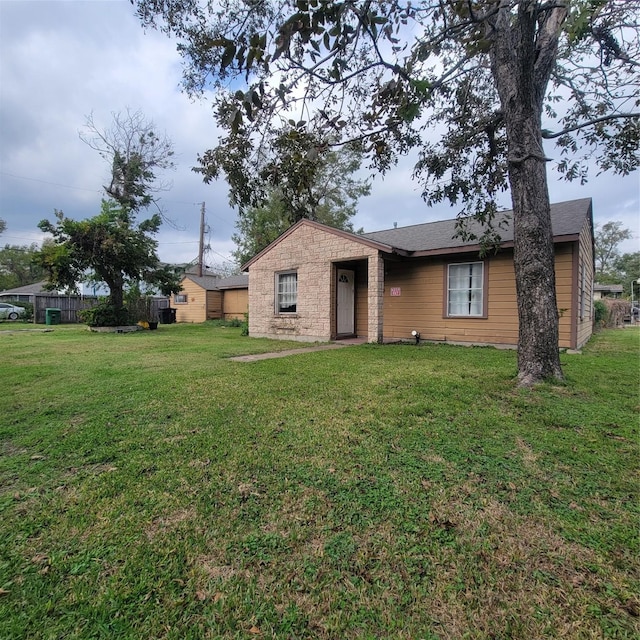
[601, 291]
[210, 297]
[28, 292]
[25, 293]
[316, 283]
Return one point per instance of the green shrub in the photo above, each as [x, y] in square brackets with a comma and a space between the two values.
[233, 322]
[245, 325]
[105, 314]
[601, 312]
[28, 307]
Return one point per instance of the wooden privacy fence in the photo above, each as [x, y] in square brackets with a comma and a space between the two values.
[70, 305]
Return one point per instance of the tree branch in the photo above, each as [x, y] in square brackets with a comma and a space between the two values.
[549, 135]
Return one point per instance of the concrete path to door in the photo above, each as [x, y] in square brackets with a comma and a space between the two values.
[295, 352]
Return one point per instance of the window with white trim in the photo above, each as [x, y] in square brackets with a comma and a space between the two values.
[180, 298]
[287, 292]
[465, 289]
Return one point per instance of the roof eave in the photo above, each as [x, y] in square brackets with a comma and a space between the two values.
[473, 248]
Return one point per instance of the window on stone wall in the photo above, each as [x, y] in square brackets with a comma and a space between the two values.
[287, 292]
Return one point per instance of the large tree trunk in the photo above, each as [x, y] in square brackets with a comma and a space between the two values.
[538, 354]
[116, 291]
[523, 53]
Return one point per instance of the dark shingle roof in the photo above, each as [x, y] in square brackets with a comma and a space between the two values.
[212, 283]
[567, 218]
[613, 288]
[29, 289]
[208, 283]
[234, 282]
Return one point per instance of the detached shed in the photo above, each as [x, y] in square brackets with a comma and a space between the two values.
[210, 297]
[601, 291]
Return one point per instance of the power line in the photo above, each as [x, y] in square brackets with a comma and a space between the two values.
[225, 258]
[183, 242]
[68, 186]
[54, 184]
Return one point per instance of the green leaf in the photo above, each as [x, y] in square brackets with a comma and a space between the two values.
[228, 55]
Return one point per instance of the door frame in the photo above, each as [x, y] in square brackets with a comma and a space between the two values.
[352, 272]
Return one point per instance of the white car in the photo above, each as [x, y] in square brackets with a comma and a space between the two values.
[10, 311]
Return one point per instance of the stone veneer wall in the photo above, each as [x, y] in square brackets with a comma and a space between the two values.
[310, 251]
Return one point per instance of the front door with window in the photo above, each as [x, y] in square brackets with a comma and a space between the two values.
[346, 303]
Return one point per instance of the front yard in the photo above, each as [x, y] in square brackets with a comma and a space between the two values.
[151, 488]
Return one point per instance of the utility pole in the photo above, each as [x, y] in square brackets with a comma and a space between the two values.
[201, 249]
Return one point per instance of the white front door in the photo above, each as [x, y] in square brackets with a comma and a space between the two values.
[346, 302]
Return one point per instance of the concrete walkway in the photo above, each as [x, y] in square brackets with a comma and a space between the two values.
[295, 352]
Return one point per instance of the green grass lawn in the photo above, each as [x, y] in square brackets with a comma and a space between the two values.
[151, 488]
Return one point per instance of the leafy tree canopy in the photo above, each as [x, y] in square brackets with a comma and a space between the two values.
[625, 269]
[114, 247]
[383, 73]
[18, 266]
[108, 248]
[607, 240]
[322, 188]
[474, 86]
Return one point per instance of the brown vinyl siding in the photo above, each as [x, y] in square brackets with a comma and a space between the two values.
[564, 290]
[235, 303]
[214, 305]
[422, 303]
[584, 325]
[201, 305]
[194, 309]
[205, 301]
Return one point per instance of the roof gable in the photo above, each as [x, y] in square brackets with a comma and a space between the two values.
[359, 238]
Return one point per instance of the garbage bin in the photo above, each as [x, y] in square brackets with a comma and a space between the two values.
[167, 315]
[53, 316]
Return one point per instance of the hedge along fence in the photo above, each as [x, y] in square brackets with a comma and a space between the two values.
[617, 311]
[70, 305]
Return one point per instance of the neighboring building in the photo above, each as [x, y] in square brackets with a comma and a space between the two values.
[26, 293]
[607, 291]
[210, 297]
[316, 283]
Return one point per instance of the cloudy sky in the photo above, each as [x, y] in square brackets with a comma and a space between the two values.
[63, 60]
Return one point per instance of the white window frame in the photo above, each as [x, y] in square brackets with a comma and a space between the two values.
[177, 300]
[284, 292]
[470, 294]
